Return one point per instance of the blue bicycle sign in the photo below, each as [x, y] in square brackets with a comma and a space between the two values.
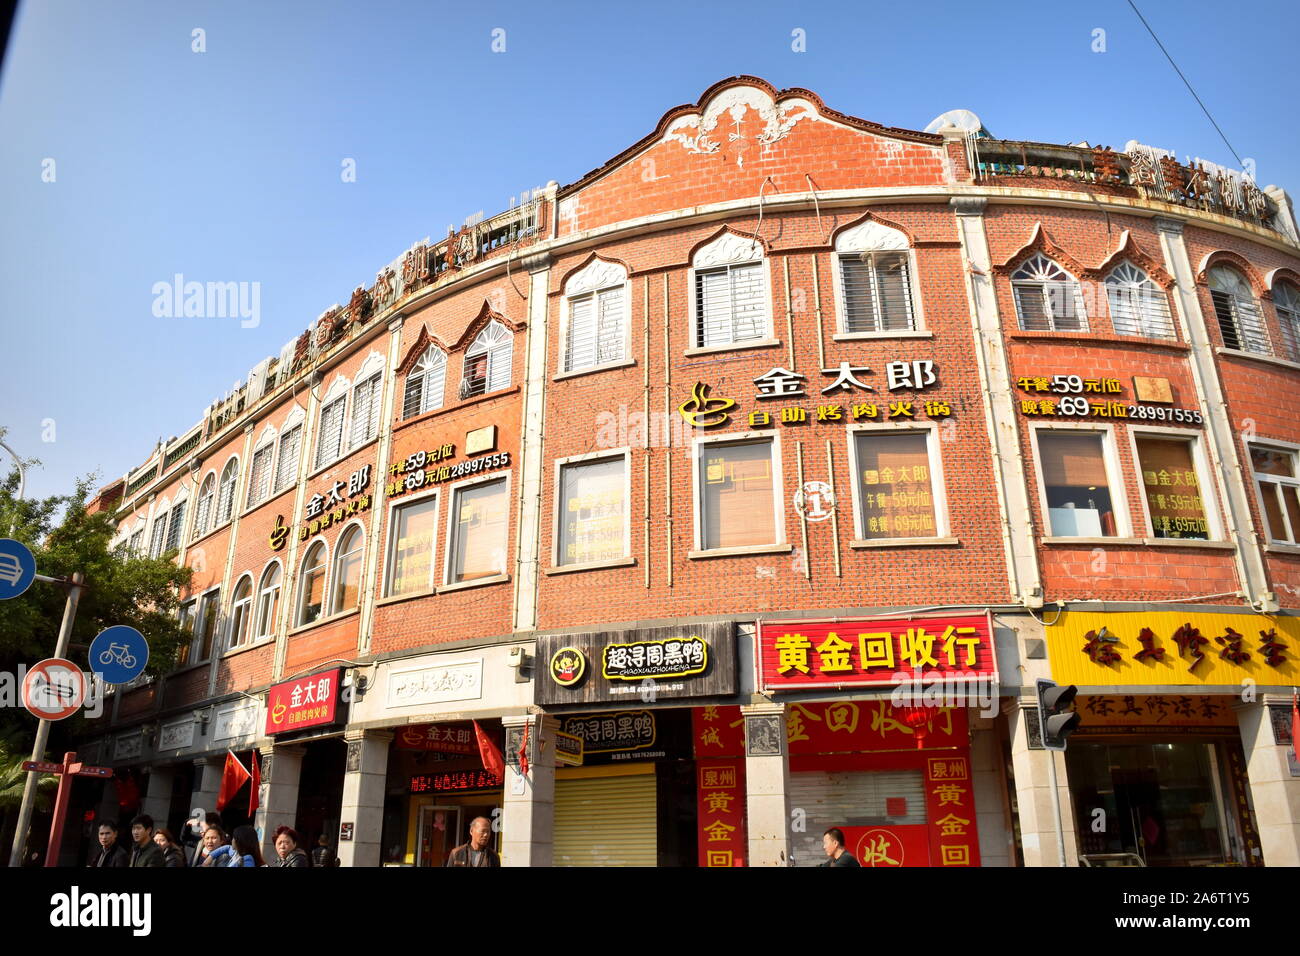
[119, 654]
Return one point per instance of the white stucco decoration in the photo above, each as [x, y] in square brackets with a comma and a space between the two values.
[698, 132]
[726, 249]
[598, 274]
[870, 236]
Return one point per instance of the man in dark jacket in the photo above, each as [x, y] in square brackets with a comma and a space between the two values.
[109, 853]
[836, 854]
[476, 852]
[145, 852]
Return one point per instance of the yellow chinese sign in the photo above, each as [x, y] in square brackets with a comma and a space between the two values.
[1178, 648]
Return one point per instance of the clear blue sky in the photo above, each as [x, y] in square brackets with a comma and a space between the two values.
[225, 165]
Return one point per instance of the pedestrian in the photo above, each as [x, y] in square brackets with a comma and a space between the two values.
[836, 854]
[173, 855]
[288, 848]
[195, 827]
[145, 852]
[109, 853]
[213, 837]
[243, 850]
[322, 855]
[476, 852]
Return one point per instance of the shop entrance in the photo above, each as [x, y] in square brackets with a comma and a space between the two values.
[1161, 802]
[438, 828]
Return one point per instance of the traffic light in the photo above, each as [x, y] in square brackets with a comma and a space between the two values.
[1055, 718]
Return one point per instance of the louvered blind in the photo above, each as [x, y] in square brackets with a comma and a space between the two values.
[730, 305]
[852, 799]
[159, 537]
[1240, 323]
[877, 292]
[330, 442]
[580, 350]
[365, 410]
[286, 470]
[609, 332]
[174, 526]
[259, 477]
[606, 821]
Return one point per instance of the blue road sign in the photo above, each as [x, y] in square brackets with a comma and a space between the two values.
[17, 568]
[119, 653]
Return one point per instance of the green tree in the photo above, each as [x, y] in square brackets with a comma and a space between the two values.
[120, 588]
[13, 778]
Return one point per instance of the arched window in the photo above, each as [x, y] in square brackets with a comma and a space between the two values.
[175, 524]
[1047, 297]
[333, 416]
[730, 292]
[158, 537]
[1240, 321]
[259, 476]
[226, 491]
[875, 281]
[425, 383]
[365, 409]
[241, 611]
[203, 517]
[268, 602]
[1286, 298]
[345, 589]
[286, 468]
[487, 361]
[311, 591]
[1137, 305]
[595, 328]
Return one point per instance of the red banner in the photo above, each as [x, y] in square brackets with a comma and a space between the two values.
[721, 812]
[859, 726]
[904, 845]
[306, 702]
[801, 654]
[950, 812]
[440, 738]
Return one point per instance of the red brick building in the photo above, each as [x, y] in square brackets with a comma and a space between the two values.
[685, 469]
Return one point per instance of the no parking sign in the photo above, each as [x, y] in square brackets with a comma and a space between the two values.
[54, 689]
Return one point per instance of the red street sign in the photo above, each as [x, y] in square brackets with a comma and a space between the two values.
[44, 766]
[54, 689]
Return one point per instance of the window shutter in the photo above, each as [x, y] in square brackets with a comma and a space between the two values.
[498, 376]
[893, 290]
[580, 350]
[159, 537]
[174, 527]
[1031, 308]
[259, 477]
[610, 334]
[859, 308]
[287, 468]
[331, 432]
[747, 302]
[365, 411]
[1073, 461]
[435, 381]
[713, 308]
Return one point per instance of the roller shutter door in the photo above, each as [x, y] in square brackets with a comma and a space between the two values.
[606, 821]
[850, 799]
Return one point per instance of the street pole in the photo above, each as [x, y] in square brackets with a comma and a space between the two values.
[43, 728]
[1056, 810]
[22, 481]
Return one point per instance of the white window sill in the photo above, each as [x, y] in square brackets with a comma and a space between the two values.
[1190, 543]
[476, 583]
[741, 552]
[320, 621]
[1281, 547]
[347, 453]
[733, 347]
[591, 566]
[1259, 357]
[1056, 539]
[593, 369]
[399, 598]
[888, 334]
[252, 645]
[902, 542]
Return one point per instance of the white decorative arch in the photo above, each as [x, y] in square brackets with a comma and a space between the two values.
[698, 132]
[267, 436]
[295, 417]
[597, 274]
[871, 236]
[374, 363]
[338, 387]
[728, 248]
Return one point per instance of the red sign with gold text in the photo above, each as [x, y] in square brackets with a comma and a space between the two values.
[796, 655]
[856, 726]
[902, 845]
[950, 811]
[721, 812]
[302, 703]
[440, 738]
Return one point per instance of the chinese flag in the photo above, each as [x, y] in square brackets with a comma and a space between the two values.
[523, 752]
[254, 794]
[233, 776]
[489, 754]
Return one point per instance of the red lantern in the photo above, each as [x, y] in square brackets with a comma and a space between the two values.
[918, 718]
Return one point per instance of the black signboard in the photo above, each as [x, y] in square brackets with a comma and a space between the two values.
[641, 666]
[640, 734]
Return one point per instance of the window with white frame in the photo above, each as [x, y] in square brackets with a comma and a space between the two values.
[595, 328]
[311, 587]
[1076, 483]
[203, 514]
[1240, 321]
[1048, 299]
[268, 601]
[425, 383]
[897, 484]
[487, 361]
[410, 547]
[479, 521]
[286, 468]
[1277, 474]
[738, 498]
[205, 626]
[1286, 299]
[875, 279]
[158, 538]
[176, 524]
[136, 547]
[1171, 485]
[592, 511]
[345, 589]
[365, 409]
[226, 491]
[186, 618]
[259, 475]
[241, 612]
[1137, 305]
[329, 440]
[730, 296]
